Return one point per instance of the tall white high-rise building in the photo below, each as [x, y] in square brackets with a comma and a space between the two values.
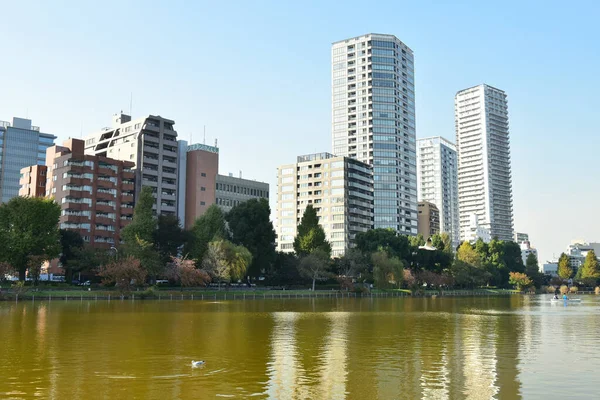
[437, 181]
[373, 121]
[484, 178]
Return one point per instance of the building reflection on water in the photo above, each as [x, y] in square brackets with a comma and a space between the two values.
[430, 355]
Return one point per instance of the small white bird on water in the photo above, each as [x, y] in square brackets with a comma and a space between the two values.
[197, 363]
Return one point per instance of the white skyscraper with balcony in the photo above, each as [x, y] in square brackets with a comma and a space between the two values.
[484, 177]
[373, 121]
[437, 181]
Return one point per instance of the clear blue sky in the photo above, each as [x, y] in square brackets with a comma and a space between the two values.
[257, 74]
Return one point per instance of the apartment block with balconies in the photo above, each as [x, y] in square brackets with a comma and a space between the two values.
[95, 193]
[339, 188]
[484, 171]
[151, 144]
[373, 121]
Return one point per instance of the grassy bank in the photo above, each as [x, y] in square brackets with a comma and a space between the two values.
[74, 293]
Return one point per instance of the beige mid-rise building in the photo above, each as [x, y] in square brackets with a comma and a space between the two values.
[339, 188]
[429, 219]
[151, 144]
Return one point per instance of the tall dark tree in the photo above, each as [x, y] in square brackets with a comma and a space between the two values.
[208, 227]
[284, 270]
[71, 244]
[28, 229]
[532, 270]
[383, 239]
[168, 237]
[138, 236]
[250, 226]
[310, 235]
[512, 258]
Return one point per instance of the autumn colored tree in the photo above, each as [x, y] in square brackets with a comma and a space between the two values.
[519, 279]
[124, 273]
[185, 273]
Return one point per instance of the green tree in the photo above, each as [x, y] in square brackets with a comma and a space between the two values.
[225, 261]
[442, 242]
[374, 240]
[590, 272]
[88, 258]
[138, 236]
[512, 257]
[71, 244]
[250, 226]
[387, 270]
[168, 237]
[284, 270]
[519, 279]
[351, 264]
[28, 228]
[310, 235]
[315, 266]
[532, 270]
[416, 241]
[564, 267]
[483, 249]
[208, 227]
[467, 254]
[466, 275]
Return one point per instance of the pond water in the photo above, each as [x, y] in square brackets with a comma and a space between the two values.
[382, 348]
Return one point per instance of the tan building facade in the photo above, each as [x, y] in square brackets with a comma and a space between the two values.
[33, 181]
[232, 191]
[339, 188]
[428, 219]
[202, 167]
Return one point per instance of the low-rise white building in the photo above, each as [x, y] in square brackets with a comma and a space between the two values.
[526, 250]
[550, 268]
[578, 250]
[473, 231]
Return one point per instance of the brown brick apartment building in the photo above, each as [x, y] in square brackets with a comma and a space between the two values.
[95, 193]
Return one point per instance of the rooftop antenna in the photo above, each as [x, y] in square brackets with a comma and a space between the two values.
[81, 131]
[204, 134]
[131, 104]
[216, 143]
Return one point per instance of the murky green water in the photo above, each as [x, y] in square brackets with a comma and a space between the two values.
[397, 348]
